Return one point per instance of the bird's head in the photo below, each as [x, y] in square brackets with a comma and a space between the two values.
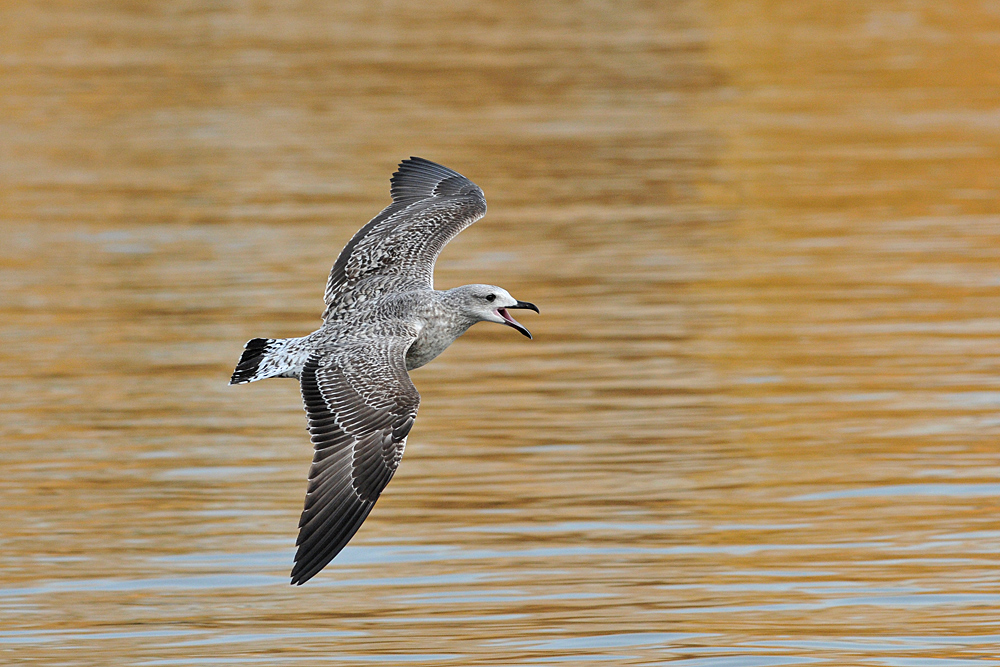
[489, 303]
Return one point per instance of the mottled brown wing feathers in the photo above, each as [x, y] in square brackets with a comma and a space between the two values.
[431, 204]
[360, 405]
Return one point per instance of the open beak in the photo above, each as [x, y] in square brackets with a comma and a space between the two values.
[511, 322]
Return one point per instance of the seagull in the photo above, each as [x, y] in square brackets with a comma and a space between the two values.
[383, 318]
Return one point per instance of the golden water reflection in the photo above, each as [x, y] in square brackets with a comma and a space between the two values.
[757, 424]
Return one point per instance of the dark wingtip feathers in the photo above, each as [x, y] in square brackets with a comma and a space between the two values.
[418, 178]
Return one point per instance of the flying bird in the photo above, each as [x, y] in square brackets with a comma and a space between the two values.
[383, 318]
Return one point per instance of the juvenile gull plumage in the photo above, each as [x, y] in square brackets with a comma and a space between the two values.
[383, 318]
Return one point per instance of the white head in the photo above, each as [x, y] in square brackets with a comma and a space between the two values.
[488, 303]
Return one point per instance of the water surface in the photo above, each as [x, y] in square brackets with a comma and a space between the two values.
[757, 424]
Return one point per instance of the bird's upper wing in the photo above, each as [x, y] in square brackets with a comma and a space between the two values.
[360, 404]
[431, 204]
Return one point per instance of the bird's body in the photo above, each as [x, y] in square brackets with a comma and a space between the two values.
[383, 318]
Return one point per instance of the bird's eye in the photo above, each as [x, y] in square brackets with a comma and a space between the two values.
[491, 297]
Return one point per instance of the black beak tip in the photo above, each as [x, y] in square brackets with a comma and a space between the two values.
[524, 305]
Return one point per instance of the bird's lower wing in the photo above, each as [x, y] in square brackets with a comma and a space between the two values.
[360, 404]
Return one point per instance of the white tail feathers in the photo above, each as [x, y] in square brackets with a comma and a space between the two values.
[267, 358]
